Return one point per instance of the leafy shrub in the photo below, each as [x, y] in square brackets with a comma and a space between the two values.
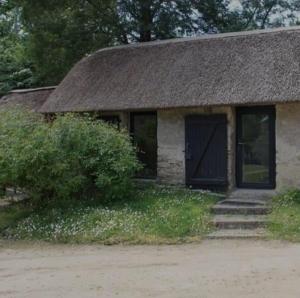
[72, 157]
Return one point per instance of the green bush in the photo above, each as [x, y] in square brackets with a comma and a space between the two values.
[72, 157]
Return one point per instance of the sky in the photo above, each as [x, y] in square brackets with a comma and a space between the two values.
[235, 3]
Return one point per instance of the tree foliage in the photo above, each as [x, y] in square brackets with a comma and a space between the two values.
[62, 32]
[260, 14]
[146, 20]
[15, 68]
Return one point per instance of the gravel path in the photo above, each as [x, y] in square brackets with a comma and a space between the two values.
[215, 268]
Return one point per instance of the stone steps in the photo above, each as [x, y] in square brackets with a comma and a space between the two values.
[238, 234]
[245, 202]
[239, 221]
[241, 217]
[240, 209]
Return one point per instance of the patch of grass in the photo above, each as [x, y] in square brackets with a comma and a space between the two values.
[10, 216]
[284, 220]
[155, 215]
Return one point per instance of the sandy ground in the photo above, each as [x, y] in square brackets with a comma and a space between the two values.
[212, 269]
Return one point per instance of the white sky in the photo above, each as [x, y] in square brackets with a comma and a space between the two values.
[235, 3]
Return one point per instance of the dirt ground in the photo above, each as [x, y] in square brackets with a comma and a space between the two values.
[212, 269]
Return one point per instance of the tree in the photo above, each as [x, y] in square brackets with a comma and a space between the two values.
[259, 14]
[62, 32]
[15, 69]
[219, 16]
[146, 20]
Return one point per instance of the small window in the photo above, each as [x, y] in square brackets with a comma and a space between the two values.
[114, 120]
[144, 132]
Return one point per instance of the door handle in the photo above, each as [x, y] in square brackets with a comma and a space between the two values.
[188, 154]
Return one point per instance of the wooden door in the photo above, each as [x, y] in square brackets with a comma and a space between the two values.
[206, 151]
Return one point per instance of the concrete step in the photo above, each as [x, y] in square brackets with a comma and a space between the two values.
[238, 234]
[239, 221]
[246, 202]
[252, 194]
[240, 209]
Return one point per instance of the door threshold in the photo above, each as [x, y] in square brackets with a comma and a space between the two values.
[250, 192]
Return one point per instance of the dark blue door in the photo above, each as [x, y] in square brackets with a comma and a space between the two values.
[206, 151]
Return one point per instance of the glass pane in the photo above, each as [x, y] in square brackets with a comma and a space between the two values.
[144, 135]
[255, 148]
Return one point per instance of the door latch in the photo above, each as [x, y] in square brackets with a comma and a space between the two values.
[188, 154]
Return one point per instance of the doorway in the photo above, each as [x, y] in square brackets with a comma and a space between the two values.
[206, 151]
[255, 148]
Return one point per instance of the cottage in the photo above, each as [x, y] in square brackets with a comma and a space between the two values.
[219, 111]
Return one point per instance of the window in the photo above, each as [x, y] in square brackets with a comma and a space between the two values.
[143, 127]
[114, 120]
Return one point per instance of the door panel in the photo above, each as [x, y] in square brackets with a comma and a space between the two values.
[256, 147]
[206, 151]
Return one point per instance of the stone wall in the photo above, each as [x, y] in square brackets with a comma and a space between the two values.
[288, 145]
[171, 143]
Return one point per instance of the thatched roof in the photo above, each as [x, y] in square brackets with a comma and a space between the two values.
[32, 99]
[235, 68]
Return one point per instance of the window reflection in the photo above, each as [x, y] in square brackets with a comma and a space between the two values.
[255, 148]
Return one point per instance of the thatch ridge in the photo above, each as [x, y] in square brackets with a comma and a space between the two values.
[199, 38]
[32, 89]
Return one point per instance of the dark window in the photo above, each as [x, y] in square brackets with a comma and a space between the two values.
[144, 132]
[114, 120]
